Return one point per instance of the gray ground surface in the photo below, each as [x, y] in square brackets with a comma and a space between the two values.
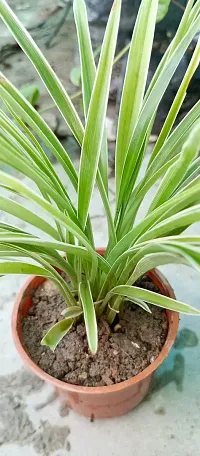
[40, 18]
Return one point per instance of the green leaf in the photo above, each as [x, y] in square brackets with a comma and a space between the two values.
[190, 253]
[12, 154]
[135, 81]
[151, 261]
[186, 198]
[11, 133]
[193, 12]
[154, 298]
[130, 172]
[180, 239]
[72, 312]
[9, 267]
[75, 76]
[19, 211]
[29, 240]
[96, 116]
[32, 240]
[171, 207]
[31, 93]
[53, 212]
[180, 220]
[130, 251]
[53, 274]
[88, 67]
[24, 268]
[111, 228]
[190, 176]
[88, 74]
[147, 255]
[89, 315]
[8, 227]
[177, 170]
[187, 19]
[138, 195]
[178, 101]
[51, 81]
[88, 71]
[26, 250]
[140, 303]
[32, 148]
[175, 141]
[163, 7]
[56, 333]
[25, 111]
[22, 189]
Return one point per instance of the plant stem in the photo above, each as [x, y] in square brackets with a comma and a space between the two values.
[52, 105]
[121, 53]
[60, 24]
[178, 5]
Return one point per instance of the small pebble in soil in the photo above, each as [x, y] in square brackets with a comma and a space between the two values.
[152, 359]
[135, 345]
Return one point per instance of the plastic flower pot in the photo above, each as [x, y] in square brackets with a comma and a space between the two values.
[104, 401]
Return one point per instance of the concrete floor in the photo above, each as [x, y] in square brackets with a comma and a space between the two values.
[34, 421]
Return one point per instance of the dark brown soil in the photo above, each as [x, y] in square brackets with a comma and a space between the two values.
[121, 354]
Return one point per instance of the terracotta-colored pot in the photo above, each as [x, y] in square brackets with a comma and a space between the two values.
[104, 401]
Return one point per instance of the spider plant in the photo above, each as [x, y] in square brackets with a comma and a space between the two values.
[99, 285]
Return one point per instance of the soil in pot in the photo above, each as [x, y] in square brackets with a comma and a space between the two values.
[121, 355]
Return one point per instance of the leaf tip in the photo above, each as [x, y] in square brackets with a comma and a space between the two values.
[45, 343]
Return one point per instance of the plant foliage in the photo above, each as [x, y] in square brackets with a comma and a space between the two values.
[99, 284]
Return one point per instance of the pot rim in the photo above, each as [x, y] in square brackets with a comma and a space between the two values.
[173, 320]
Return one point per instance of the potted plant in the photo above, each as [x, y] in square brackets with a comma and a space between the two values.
[110, 295]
